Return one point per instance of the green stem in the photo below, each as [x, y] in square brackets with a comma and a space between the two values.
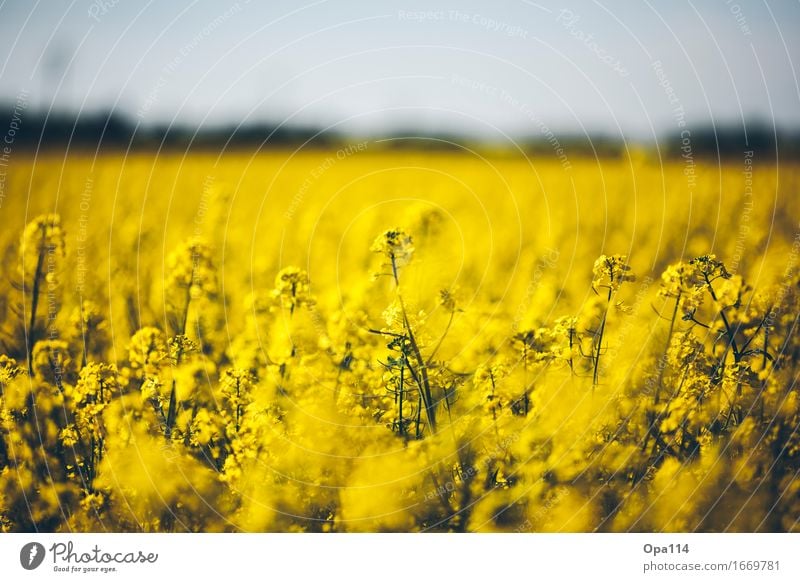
[728, 329]
[666, 348]
[441, 339]
[35, 304]
[599, 346]
[424, 382]
[400, 396]
[172, 410]
[238, 404]
[494, 408]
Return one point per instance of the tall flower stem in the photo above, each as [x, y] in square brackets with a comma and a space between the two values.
[599, 343]
[422, 371]
[35, 303]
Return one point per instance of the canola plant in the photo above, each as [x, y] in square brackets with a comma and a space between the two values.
[371, 340]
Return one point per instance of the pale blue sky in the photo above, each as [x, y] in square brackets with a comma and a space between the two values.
[476, 67]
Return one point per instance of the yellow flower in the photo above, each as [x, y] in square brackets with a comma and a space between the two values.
[179, 346]
[709, 268]
[675, 280]
[293, 288]
[190, 267]
[42, 242]
[69, 436]
[8, 369]
[396, 245]
[447, 299]
[202, 429]
[611, 272]
[51, 361]
[146, 350]
[237, 386]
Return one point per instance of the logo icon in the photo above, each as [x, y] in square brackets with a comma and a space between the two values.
[31, 555]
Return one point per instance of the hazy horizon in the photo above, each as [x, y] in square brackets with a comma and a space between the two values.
[637, 71]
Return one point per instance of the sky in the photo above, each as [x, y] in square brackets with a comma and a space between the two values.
[632, 69]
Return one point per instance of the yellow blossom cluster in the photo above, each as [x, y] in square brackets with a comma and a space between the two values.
[229, 365]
